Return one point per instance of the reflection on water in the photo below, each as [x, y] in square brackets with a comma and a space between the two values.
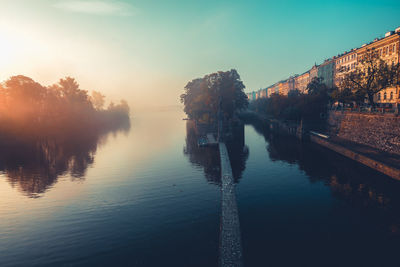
[322, 209]
[299, 204]
[34, 165]
[358, 185]
[208, 157]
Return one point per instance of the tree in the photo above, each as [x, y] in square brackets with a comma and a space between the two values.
[372, 74]
[203, 97]
[24, 97]
[72, 93]
[97, 100]
[394, 73]
[316, 86]
[344, 95]
[294, 93]
[124, 107]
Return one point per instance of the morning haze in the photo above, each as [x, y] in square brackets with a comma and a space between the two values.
[199, 133]
[147, 50]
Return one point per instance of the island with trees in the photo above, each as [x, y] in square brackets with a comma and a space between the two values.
[48, 131]
[215, 101]
[28, 108]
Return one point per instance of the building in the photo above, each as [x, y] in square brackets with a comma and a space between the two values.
[291, 83]
[326, 72]
[332, 70]
[263, 93]
[344, 64]
[388, 49]
[302, 81]
[313, 72]
[273, 89]
[283, 88]
[249, 96]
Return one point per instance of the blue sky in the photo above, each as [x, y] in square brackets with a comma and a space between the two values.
[147, 51]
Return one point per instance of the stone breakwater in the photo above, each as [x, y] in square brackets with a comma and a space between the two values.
[230, 238]
[380, 131]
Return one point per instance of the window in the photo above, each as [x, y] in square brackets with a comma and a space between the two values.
[391, 95]
[384, 96]
[379, 96]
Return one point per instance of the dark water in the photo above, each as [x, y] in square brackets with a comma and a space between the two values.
[150, 197]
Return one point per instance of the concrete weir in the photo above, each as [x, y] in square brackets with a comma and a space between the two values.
[230, 248]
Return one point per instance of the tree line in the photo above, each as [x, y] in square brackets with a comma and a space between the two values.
[28, 108]
[296, 106]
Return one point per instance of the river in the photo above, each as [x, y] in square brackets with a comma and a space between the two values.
[147, 196]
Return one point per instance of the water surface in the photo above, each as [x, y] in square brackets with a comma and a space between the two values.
[149, 196]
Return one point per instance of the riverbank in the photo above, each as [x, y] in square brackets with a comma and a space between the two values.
[386, 163]
[380, 160]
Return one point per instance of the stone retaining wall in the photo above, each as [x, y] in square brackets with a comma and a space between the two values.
[381, 131]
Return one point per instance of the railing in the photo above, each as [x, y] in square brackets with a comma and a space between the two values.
[376, 110]
[320, 135]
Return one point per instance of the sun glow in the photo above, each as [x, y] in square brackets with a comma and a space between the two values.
[23, 50]
[7, 48]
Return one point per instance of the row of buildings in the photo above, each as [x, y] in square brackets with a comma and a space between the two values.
[388, 48]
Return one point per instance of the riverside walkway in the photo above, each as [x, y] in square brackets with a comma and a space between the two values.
[230, 253]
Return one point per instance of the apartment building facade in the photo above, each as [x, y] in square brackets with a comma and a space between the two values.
[333, 69]
[326, 72]
[388, 50]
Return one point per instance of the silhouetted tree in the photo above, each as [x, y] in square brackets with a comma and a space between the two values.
[97, 100]
[204, 96]
[296, 106]
[30, 109]
[316, 87]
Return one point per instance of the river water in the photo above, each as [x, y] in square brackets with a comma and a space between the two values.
[147, 196]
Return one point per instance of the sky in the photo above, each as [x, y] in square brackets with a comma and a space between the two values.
[146, 50]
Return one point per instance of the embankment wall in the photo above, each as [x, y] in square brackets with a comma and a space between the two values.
[381, 131]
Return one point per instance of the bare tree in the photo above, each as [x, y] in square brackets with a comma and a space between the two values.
[371, 75]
